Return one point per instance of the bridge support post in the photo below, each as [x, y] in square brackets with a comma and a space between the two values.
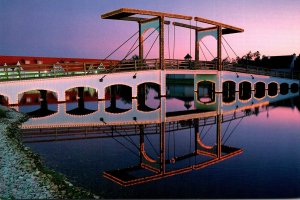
[219, 46]
[141, 45]
[61, 96]
[134, 91]
[219, 130]
[13, 99]
[163, 86]
[196, 47]
[162, 154]
[161, 43]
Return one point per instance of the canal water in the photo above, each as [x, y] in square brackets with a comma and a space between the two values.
[185, 145]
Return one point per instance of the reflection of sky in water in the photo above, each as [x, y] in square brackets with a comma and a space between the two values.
[268, 167]
[152, 99]
[30, 108]
[91, 105]
[119, 104]
[174, 104]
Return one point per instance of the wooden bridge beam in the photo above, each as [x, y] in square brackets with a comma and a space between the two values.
[219, 47]
[141, 46]
[161, 43]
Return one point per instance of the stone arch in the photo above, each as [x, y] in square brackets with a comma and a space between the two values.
[142, 96]
[294, 87]
[229, 88]
[284, 88]
[260, 90]
[118, 98]
[245, 90]
[272, 89]
[206, 91]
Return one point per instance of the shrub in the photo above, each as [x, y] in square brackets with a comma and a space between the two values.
[3, 113]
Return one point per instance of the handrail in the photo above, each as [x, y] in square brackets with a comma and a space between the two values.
[261, 71]
[33, 71]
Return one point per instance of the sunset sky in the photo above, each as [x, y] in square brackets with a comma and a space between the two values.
[73, 28]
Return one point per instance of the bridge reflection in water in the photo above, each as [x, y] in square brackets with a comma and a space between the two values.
[151, 134]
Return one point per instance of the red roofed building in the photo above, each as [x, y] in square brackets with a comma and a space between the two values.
[28, 62]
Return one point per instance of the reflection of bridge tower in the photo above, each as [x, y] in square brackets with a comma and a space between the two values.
[158, 166]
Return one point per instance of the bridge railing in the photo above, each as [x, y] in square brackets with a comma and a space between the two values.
[79, 68]
[261, 71]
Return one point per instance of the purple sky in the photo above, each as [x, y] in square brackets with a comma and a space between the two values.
[73, 28]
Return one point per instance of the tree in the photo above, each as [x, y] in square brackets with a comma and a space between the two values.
[256, 57]
[135, 57]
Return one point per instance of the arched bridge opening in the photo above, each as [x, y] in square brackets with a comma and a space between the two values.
[118, 98]
[245, 90]
[272, 89]
[81, 100]
[229, 91]
[38, 103]
[284, 88]
[260, 90]
[148, 96]
[206, 91]
[294, 87]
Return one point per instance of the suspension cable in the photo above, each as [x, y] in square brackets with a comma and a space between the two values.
[190, 38]
[142, 42]
[132, 142]
[174, 42]
[207, 49]
[202, 52]
[230, 47]
[128, 139]
[169, 42]
[121, 45]
[131, 48]
[151, 46]
[134, 153]
[152, 145]
[225, 50]
[226, 130]
[233, 130]
[206, 132]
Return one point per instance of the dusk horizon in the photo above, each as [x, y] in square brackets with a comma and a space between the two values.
[75, 29]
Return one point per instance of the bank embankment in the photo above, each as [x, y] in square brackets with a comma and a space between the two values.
[22, 173]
